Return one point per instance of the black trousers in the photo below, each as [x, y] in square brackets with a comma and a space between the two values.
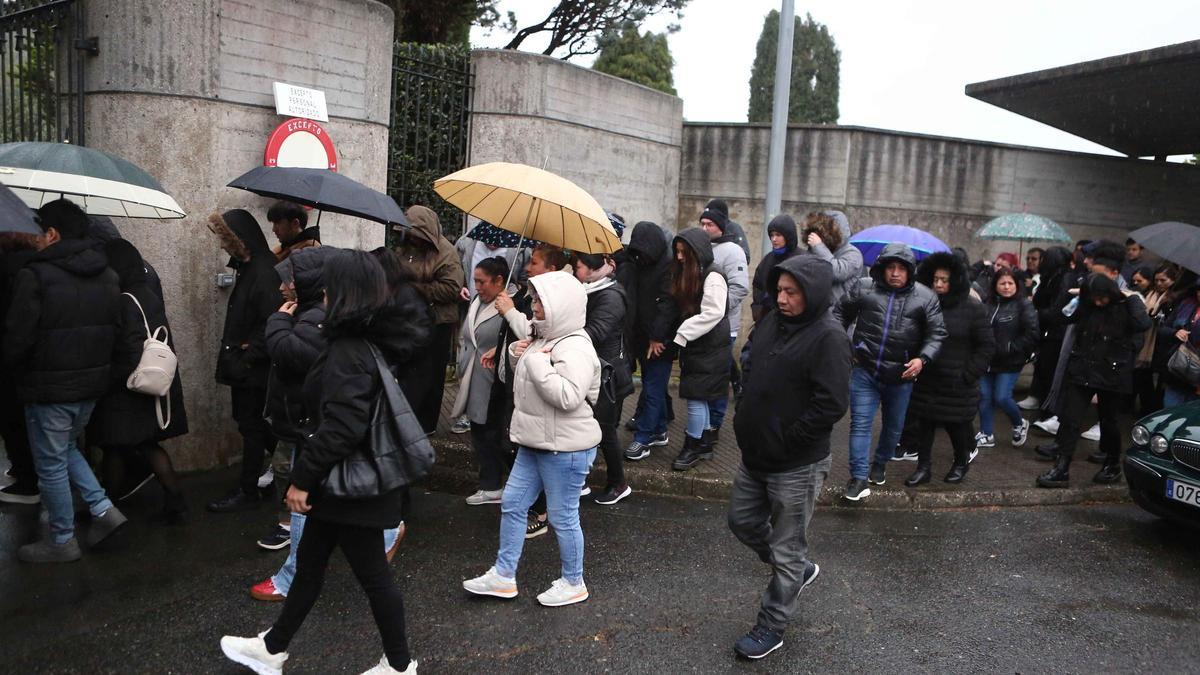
[16, 441]
[437, 355]
[363, 548]
[257, 440]
[490, 441]
[962, 439]
[1074, 405]
[1044, 367]
[608, 415]
[1148, 396]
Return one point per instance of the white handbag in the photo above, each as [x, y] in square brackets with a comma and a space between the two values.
[156, 369]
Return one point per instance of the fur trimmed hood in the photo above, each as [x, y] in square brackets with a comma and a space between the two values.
[239, 234]
[960, 282]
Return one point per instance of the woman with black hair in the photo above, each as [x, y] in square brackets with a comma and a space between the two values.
[1051, 296]
[605, 325]
[701, 293]
[340, 393]
[126, 424]
[1013, 320]
[477, 398]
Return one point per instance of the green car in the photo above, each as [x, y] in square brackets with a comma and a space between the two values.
[1163, 466]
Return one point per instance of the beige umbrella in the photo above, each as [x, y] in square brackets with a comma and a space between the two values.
[533, 203]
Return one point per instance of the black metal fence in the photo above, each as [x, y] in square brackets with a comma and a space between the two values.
[42, 47]
[431, 107]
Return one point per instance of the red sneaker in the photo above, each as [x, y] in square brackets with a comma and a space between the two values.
[266, 592]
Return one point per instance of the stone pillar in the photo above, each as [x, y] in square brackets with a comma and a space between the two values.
[183, 90]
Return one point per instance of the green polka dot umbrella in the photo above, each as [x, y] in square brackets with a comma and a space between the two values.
[1023, 227]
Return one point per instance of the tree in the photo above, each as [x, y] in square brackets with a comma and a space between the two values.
[575, 26]
[645, 59]
[443, 21]
[815, 64]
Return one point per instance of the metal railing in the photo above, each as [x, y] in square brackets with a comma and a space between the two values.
[41, 70]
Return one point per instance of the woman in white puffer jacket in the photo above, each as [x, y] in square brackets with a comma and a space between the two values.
[556, 380]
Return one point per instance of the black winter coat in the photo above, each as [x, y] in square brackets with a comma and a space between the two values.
[123, 417]
[656, 312]
[340, 393]
[705, 362]
[1014, 324]
[1107, 338]
[62, 324]
[947, 390]
[605, 324]
[762, 294]
[1053, 293]
[893, 326]
[795, 377]
[255, 297]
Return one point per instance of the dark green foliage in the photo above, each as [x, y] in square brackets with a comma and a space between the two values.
[575, 26]
[815, 65]
[644, 59]
[441, 21]
[428, 138]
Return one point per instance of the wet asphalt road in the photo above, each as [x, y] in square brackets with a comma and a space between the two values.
[1071, 589]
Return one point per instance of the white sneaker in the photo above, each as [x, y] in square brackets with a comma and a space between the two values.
[1092, 434]
[983, 440]
[252, 653]
[974, 453]
[562, 592]
[385, 668]
[1020, 434]
[1049, 425]
[491, 583]
[485, 497]
[1029, 403]
[267, 478]
[461, 426]
[585, 491]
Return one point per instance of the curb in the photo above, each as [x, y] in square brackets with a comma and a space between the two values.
[454, 472]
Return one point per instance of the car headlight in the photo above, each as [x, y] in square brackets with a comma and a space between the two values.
[1140, 434]
[1158, 444]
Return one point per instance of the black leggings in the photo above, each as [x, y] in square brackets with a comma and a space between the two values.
[962, 439]
[608, 414]
[363, 548]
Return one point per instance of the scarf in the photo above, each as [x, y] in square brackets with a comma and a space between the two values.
[598, 274]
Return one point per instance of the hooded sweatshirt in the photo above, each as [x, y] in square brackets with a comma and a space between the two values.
[796, 377]
[847, 260]
[655, 314]
[892, 325]
[1108, 338]
[243, 361]
[433, 263]
[557, 378]
[762, 298]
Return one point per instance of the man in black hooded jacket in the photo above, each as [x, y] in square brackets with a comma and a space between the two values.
[796, 372]
[243, 363]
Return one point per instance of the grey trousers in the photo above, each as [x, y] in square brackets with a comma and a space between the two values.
[769, 512]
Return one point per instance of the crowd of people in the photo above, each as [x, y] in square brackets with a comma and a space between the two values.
[544, 345]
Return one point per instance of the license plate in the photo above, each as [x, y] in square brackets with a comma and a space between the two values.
[1183, 492]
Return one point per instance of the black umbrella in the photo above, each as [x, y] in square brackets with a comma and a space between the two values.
[15, 216]
[1177, 242]
[324, 190]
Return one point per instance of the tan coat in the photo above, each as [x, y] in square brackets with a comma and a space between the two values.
[433, 263]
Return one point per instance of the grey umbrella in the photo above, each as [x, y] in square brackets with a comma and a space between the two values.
[322, 189]
[1177, 242]
[15, 216]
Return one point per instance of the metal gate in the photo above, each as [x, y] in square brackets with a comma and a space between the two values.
[41, 70]
[431, 107]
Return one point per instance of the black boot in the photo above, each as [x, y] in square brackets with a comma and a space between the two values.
[708, 442]
[236, 500]
[1098, 457]
[921, 475]
[174, 509]
[690, 455]
[1059, 476]
[1047, 452]
[1109, 473]
[957, 473]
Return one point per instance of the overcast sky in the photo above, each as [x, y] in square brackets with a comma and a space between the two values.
[905, 62]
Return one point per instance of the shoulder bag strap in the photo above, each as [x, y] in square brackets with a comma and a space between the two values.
[145, 321]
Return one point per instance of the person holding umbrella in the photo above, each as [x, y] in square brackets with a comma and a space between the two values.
[289, 222]
[243, 363]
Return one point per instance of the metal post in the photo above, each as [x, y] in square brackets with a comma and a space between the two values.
[779, 118]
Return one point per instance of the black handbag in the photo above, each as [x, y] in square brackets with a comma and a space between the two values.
[1185, 364]
[396, 453]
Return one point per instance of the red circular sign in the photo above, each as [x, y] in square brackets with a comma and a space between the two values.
[300, 142]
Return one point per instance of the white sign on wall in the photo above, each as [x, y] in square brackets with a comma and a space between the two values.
[296, 101]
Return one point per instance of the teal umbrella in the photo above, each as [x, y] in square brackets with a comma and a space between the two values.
[1023, 227]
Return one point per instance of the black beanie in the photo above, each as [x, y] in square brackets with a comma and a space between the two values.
[718, 205]
[717, 217]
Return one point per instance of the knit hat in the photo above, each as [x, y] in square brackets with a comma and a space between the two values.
[717, 217]
[718, 205]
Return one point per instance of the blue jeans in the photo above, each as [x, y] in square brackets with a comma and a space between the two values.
[561, 475]
[1173, 396]
[54, 431]
[699, 416]
[997, 389]
[283, 578]
[652, 419]
[866, 396]
[717, 407]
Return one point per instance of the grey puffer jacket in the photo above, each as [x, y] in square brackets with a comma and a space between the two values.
[847, 260]
[894, 325]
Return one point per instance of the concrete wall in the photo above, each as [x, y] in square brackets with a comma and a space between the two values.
[183, 89]
[949, 187]
[618, 140]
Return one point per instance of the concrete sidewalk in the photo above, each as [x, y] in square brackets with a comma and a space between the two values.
[999, 476]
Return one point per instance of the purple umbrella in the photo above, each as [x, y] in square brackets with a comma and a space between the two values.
[872, 240]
